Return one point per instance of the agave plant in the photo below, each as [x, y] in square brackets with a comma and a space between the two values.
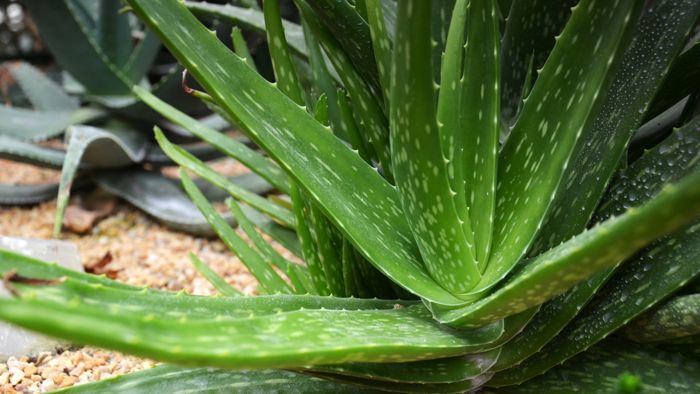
[459, 190]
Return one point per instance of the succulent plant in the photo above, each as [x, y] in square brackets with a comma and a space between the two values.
[102, 53]
[465, 195]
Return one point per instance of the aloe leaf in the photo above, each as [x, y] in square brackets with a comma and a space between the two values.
[71, 42]
[356, 139]
[102, 148]
[187, 160]
[142, 57]
[539, 146]
[676, 318]
[249, 18]
[381, 43]
[241, 47]
[282, 235]
[321, 336]
[329, 246]
[158, 196]
[12, 194]
[25, 152]
[365, 103]
[262, 245]
[657, 40]
[43, 93]
[172, 379]
[529, 36]
[248, 157]
[617, 367]
[218, 282]
[681, 80]
[352, 33]
[668, 264]
[596, 249]
[449, 103]
[29, 125]
[114, 32]
[373, 224]
[476, 156]
[446, 370]
[285, 73]
[441, 15]
[455, 387]
[421, 175]
[259, 268]
[308, 246]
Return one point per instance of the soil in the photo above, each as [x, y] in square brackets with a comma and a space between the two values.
[128, 246]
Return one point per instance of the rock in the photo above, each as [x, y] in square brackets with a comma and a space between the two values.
[16, 341]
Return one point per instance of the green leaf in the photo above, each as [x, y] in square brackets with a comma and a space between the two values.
[143, 57]
[43, 93]
[308, 246]
[322, 165]
[265, 248]
[599, 248]
[657, 40]
[229, 146]
[476, 148]
[100, 147]
[28, 125]
[285, 73]
[71, 41]
[157, 196]
[529, 36]
[167, 378]
[248, 18]
[446, 370]
[455, 387]
[676, 318]
[322, 336]
[381, 43]
[604, 369]
[241, 47]
[352, 33]
[218, 282]
[681, 80]
[187, 160]
[667, 264]
[421, 175]
[114, 32]
[539, 147]
[259, 268]
[364, 101]
[25, 152]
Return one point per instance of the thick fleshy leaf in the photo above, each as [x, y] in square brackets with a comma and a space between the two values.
[26, 152]
[325, 167]
[268, 278]
[381, 43]
[43, 93]
[29, 125]
[561, 105]
[530, 32]
[172, 379]
[248, 18]
[447, 370]
[599, 248]
[455, 387]
[189, 161]
[667, 264]
[657, 40]
[100, 147]
[68, 37]
[229, 146]
[322, 336]
[676, 318]
[212, 277]
[476, 142]
[682, 79]
[420, 171]
[617, 368]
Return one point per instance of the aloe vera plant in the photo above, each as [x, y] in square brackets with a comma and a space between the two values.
[456, 234]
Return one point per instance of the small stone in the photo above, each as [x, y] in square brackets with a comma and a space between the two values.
[16, 375]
